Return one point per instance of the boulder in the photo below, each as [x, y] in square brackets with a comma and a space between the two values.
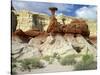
[32, 33]
[19, 34]
[76, 27]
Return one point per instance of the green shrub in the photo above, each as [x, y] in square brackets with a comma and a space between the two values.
[28, 64]
[87, 58]
[85, 66]
[36, 63]
[47, 58]
[87, 63]
[25, 64]
[68, 60]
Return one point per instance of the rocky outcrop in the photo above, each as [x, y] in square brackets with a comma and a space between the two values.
[81, 43]
[25, 36]
[53, 26]
[49, 45]
[32, 33]
[24, 50]
[55, 44]
[76, 27]
[75, 39]
[20, 35]
[60, 39]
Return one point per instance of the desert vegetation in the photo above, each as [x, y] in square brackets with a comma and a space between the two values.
[61, 45]
[87, 62]
[68, 60]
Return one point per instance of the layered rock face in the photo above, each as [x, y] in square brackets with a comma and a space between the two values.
[48, 45]
[59, 39]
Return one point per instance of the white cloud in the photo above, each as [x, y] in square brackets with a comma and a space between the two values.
[87, 12]
[59, 14]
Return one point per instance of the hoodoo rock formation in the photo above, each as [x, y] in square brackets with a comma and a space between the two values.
[53, 24]
[73, 40]
[75, 27]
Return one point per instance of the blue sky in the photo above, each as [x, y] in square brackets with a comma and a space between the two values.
[82, 11]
